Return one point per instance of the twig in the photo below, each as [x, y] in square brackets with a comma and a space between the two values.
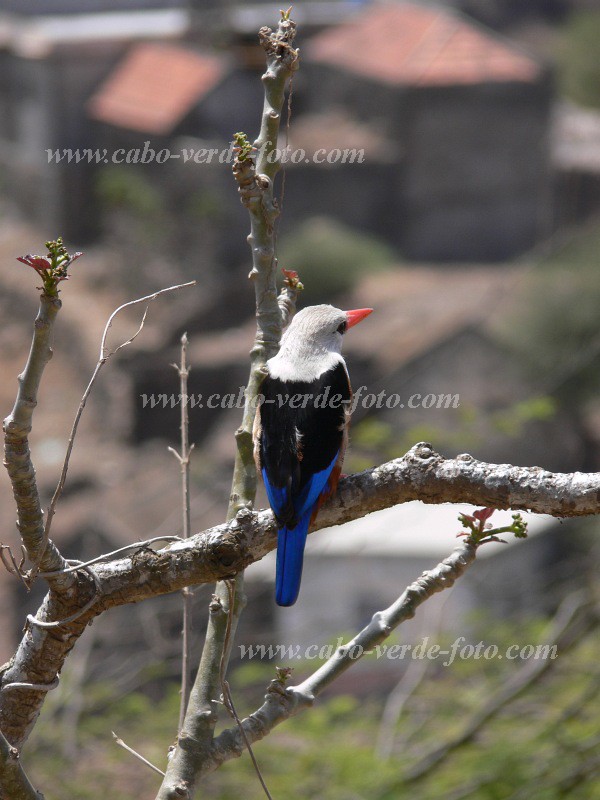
[104, 355]
[227, 698]
[141, 545]
[282, 703]
[184, 464]
[558, 634]
[14, 783]
[36, 687]
[255, 186]
[17, 456]
[11, 565]
[402, 692]
[133, 752]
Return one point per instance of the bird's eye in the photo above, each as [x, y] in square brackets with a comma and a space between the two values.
[342, 327]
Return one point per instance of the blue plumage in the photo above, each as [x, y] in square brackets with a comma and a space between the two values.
[290, 555]
[301, 430]
[292, 540]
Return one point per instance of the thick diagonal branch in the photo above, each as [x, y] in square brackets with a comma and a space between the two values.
[226, 549]
[421, 474]
[282, 703]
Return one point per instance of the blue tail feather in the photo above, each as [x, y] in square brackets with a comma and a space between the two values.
[291, 541]
[290, 553]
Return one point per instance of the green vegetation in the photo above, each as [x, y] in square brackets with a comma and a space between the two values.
[580, 64]
[541, 745]
[555, 320]
[53, 268]
[375, 439]
[127, 188]
[330, 257]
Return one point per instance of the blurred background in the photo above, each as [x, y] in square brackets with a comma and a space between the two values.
[471, 224]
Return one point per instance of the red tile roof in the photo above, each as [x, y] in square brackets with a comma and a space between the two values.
[421, 45]
[154, 87]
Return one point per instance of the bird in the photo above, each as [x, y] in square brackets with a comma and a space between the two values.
[301, 430]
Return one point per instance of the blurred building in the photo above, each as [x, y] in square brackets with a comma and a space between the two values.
[576, 154]
[467, 115]
[453, 120]
[454, 123]
[49, 66]
[48, 8]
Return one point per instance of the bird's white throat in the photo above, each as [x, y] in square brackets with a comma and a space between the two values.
[302, 363]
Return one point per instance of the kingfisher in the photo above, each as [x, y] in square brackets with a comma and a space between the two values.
[301, 430]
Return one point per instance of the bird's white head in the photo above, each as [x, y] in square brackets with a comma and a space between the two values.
[312, 343]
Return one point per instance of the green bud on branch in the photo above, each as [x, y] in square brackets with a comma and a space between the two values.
[52, 268]
[480, 531]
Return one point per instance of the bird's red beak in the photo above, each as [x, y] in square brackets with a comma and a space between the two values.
[355, 316]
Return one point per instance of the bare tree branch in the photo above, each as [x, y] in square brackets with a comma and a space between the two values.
[563, 633]
[184, 464]
[17, 457]
[282, 703]
[34, 669]
[224, 550]
[14, 783]
[105, 354]
[255, 184]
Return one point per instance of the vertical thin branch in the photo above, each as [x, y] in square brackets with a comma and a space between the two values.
[17, 456]
[184, 463]
[255, 179]
[227, 697]
[41, 652]
[105, 354]
[14, 783]
[564, 630]
[408, 684]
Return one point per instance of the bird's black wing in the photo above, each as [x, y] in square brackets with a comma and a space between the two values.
[302, 428]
